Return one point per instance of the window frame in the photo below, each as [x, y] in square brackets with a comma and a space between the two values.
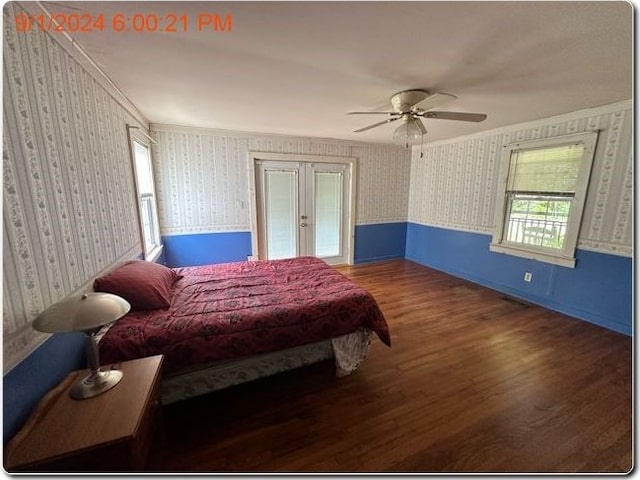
[565, 256]
[150, 252]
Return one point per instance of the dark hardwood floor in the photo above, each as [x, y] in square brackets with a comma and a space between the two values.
[474, 382]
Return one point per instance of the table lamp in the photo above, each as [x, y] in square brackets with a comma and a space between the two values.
[87, 312]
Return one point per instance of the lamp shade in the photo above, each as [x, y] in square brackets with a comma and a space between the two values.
[83, 312]
[408, 133]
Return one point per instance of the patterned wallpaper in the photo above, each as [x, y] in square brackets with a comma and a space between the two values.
[454, 184]
[202, 177]
[69, 206]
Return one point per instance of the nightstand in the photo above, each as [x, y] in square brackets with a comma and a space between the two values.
[110, 432]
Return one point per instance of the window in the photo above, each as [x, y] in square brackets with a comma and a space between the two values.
[146, 201]
[541, 197]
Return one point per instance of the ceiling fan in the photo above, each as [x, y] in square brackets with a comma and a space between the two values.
[411, 106]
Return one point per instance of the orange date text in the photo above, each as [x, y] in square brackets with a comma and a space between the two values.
[122, 22]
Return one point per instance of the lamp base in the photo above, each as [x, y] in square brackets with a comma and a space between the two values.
[95, 383]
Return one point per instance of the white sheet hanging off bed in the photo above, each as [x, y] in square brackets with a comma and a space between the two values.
[348, 352]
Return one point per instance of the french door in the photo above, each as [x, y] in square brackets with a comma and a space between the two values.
[303, 208]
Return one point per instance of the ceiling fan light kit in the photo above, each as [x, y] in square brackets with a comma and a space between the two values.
[409, 133]
[411, 106]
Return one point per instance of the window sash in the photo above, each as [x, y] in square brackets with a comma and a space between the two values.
[149, 227]
[542, 223]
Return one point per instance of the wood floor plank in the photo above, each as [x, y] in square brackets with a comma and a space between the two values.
[474, 382]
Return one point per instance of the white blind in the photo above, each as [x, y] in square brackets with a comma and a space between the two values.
[328, 213]
[553, 169]
[280, 198]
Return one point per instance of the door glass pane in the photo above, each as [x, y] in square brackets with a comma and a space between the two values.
[328, 213]
[280, 192]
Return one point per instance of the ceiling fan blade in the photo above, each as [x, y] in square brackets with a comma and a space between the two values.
[372, 113]
[377, 124]
[421, 126]
[465, 117]
[433, 101]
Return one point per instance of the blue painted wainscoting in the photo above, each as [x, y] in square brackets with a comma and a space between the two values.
[32, 378]
[381, 241]
[598, 290]
[206, 248]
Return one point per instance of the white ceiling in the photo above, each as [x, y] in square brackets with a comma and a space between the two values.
[296, 68]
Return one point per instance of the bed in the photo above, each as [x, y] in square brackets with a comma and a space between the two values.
[220, 325]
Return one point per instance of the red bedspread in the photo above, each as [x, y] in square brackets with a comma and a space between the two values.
[235, 310]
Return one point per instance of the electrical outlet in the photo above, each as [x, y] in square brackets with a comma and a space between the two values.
[527, 276]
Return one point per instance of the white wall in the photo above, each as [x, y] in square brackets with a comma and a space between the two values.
[454, 185]
[69, 207]
[202, 177]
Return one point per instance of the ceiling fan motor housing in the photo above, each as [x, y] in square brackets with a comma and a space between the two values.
[403, 101]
